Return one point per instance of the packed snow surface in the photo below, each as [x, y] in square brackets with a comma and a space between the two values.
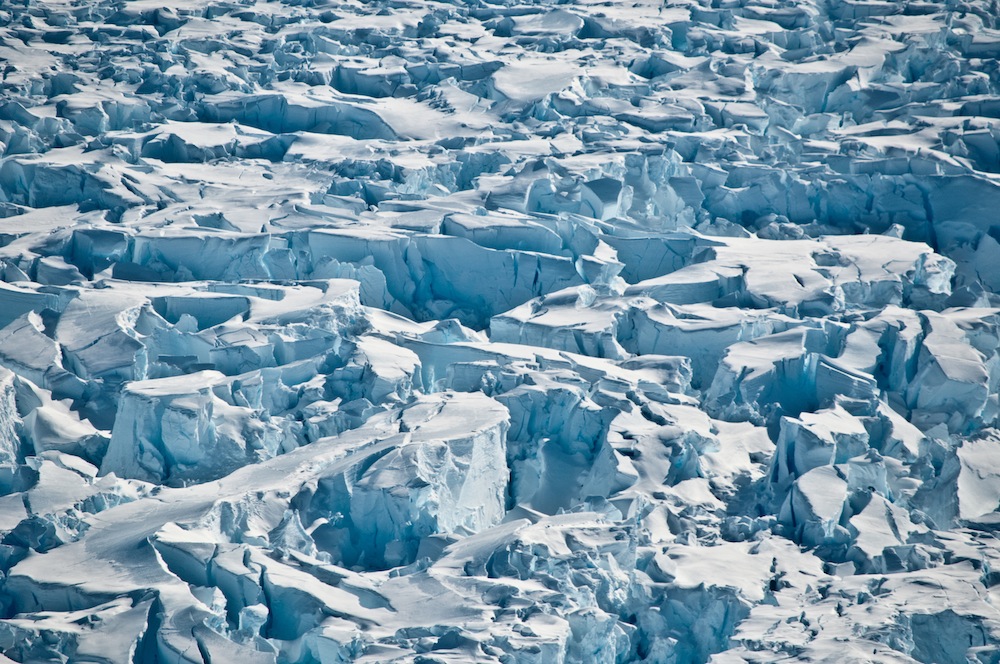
[499, 331]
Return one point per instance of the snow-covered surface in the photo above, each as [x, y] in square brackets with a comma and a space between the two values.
[499, 332]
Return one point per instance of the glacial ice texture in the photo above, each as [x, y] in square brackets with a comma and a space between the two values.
[497, 331]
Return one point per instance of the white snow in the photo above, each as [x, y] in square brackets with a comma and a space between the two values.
[500, 331]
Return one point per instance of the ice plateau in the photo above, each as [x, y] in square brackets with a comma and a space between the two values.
[514, 331]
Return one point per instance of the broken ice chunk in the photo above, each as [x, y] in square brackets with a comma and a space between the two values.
[10, 444]
[979, 477]
[446, 473]
[953, 381]
[29, 352]
[95, 331]
[815, 506]
[378, 371]
[789, 372]
[818, 439]
[177, 430]
[15, 301]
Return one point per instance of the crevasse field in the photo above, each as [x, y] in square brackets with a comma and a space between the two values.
[499, 331]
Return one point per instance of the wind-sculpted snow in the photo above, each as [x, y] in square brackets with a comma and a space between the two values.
[546, 332]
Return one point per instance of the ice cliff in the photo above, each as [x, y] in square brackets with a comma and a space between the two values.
[499, 331]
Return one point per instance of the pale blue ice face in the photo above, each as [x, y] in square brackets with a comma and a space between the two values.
[502, 332]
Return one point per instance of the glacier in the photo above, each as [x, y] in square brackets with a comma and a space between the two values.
[512, 331]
